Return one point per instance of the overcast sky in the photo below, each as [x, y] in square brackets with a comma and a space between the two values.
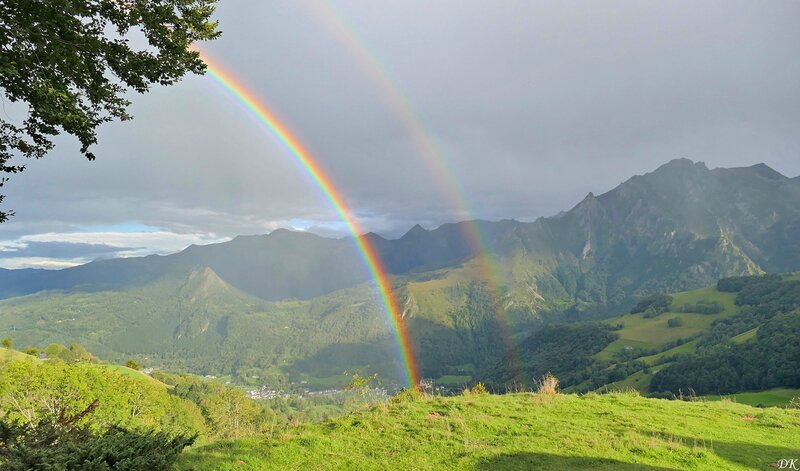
[532, 105]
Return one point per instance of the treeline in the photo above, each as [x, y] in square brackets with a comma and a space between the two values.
[703, 306]
[653, 305]
[771, 359]
[563, 350]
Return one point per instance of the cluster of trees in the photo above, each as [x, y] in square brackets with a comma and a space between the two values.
[74, 353]
[653, 305]
[674, 322]
[703, 306]
[563, 350]
[734, 284]
[227, 412]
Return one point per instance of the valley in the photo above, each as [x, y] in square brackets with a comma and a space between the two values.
[224, 310]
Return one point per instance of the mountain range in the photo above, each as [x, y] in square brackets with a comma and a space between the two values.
[211, 308]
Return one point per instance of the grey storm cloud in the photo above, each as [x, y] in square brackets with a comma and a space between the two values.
[62, 250]
[532, 104]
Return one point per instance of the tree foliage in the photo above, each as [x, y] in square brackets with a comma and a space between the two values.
[71, 63]
[31, 392]
[62, 445]
[653, 305]
[564, 350]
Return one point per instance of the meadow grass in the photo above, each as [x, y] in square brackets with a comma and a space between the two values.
[523, 431]
[745, 336]
[7, 354]
[641, 332]
[124, 370]
[769, 398]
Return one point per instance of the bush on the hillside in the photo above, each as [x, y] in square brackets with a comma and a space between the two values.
[133, 364]
[674, 322]
[33, 351]
[407, 395]
[547, 385]
[228, 412]
[72, 354]
[653, 305]
[61, 445]
[478, 390]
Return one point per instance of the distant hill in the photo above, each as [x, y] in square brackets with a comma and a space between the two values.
[195, 321]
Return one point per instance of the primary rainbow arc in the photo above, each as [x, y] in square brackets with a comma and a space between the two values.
[313, 169]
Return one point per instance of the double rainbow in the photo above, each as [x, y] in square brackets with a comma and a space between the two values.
[314, 170]
[437, 163]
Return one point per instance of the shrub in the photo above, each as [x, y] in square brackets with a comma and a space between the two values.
[674, 322]
[477, 390]
[61, 445]
[653, 305]
[548, 385]
[704, 306]
[407, 395]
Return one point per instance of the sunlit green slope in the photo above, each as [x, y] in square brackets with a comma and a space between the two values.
[524, 431]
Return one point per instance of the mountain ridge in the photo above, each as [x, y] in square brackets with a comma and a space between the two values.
[681, 209]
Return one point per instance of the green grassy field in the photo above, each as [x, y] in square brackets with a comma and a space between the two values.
[523, 431]
[11, 354]
[745, 336]
[124, 370]
[7, 355]
[641, 332]
[769, 398]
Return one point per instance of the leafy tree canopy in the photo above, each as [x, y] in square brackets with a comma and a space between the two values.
[71, 62]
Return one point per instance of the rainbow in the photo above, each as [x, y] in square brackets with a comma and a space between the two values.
[315, 171]
[433, 158]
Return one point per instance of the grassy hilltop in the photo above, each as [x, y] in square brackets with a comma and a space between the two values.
[524, 431]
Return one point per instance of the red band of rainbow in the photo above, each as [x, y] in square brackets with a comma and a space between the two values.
[313, 169]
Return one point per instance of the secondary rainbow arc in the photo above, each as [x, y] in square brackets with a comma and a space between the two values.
[427, 147]
[270, 121]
